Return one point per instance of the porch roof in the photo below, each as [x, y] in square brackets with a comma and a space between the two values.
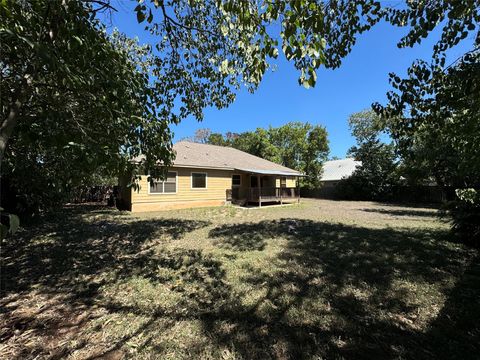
[270, 172]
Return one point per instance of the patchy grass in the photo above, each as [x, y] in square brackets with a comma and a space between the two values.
[321, 279]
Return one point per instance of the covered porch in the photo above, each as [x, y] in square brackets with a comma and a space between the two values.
[264, 187]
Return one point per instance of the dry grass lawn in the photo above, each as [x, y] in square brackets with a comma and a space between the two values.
[322, 279]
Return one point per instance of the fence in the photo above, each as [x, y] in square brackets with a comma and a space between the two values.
[407, 194]
[94, 194]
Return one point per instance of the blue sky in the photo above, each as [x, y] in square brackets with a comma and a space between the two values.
[361, 80]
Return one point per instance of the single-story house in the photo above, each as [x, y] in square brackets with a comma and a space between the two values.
[333, 172]
[336, 170]
[210, 175]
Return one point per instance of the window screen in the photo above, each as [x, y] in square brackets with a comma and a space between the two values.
[169, 185]
[283, 181]
[236, 180]
[199, 180]
[156, 187]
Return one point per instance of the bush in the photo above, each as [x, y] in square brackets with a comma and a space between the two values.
[465, 216]
[352, 188]
[363, 186]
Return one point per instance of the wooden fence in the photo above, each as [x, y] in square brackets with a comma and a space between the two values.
[406, 194]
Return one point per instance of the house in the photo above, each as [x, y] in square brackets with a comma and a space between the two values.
[210, 175]
[333, 172]
[336, 170]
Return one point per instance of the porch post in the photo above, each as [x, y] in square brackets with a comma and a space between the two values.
[259, 191]
[298, 190]
[281, 198]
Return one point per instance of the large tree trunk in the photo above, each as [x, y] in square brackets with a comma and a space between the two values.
[8, 125]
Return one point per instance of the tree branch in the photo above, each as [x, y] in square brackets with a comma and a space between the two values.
[176, 23]
[102, 5]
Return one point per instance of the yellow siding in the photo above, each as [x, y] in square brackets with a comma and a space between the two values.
[172, 205]
[291, 182]
[218, 181]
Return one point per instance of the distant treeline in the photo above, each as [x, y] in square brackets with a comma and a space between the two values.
[300, 146]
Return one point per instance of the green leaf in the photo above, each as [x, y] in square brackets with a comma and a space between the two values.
[80, 42]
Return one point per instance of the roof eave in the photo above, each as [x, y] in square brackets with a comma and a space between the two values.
[271, 172]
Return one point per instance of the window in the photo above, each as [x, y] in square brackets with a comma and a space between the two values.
[167, 186]
[283, 181]
[199, 180]
[236, 180]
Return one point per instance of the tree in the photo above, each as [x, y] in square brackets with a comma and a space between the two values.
[235, 40]
[365, 125]
[376, 178]
[433, 113]
[315, 155]
[202, 135]
[313, 34]
[48, 49]
[257, 143]
[73, 100]
[303, 147]
[217, 139]
[439, 132]
[465, 216]
[378, 173]
[297, 145]
[440, 128]
[240, 37]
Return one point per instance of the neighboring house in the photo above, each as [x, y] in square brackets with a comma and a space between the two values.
[210, 175]
[334, 171]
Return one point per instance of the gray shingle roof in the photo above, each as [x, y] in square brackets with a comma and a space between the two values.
[337, 169]
[213, 156]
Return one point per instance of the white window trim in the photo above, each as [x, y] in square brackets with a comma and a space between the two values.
[233, 185]
[191, 180]
[163, 181]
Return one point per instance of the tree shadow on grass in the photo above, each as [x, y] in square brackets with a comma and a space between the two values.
[52, 272]
[411, 205]
[332, 291]
[241, 237]
[455, 333]
[72, 246]
[196, 279]
[403, 212]
[338, 291]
